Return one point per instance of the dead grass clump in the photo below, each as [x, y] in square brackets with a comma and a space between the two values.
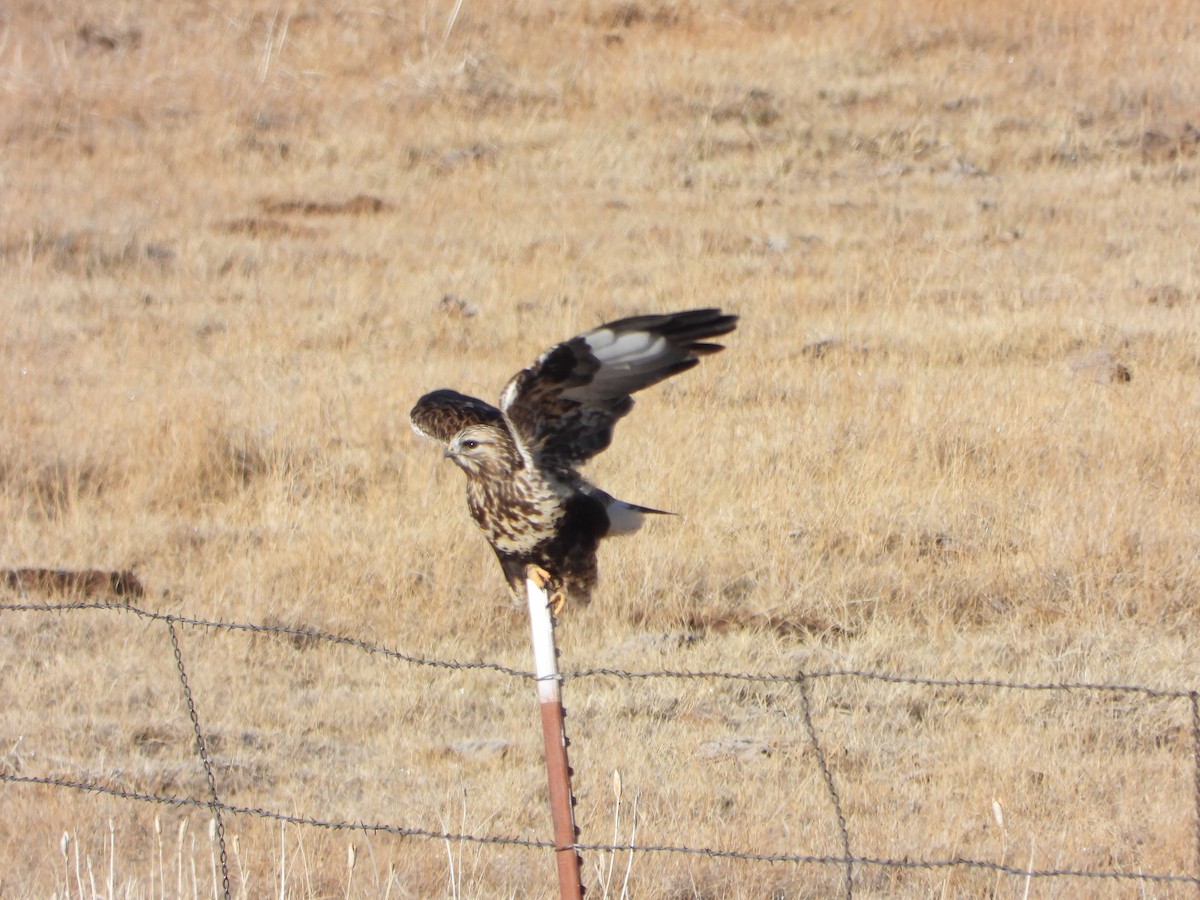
[88, 583]
[954, 436]
[54, 488]
[670, 14]
[202, 462]
[782, 625]
[107, 38]
[258, 227]
[360, 204]
[89, 253]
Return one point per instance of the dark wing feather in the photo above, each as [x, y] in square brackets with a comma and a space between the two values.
[563, 408]
[443, 414]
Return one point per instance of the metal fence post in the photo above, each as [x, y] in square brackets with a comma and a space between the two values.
[562, 803]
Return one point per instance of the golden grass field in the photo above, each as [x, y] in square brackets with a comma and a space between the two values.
[954, 437]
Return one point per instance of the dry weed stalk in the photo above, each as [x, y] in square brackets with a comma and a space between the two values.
[179, 836]
[351, 859]
[64, 846]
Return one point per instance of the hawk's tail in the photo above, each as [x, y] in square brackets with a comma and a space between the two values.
[626, 518]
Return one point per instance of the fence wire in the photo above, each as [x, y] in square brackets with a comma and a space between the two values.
[202, 752]
[535, 844]
[600, 672]
[847, 861]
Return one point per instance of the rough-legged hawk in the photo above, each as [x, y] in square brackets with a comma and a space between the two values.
[522, 487]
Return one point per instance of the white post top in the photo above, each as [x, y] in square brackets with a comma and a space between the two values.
[542, 629]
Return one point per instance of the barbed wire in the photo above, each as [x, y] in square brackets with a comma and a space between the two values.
[202, 752]
[608, 672]
[847, 860]
[281, 630]
[216, 806]
[868, 675]
[535, 844]
[827, 777]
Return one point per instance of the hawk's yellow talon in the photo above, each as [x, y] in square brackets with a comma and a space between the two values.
[538, 576]
[547, 582]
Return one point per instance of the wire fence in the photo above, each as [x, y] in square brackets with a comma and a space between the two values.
[847, 861]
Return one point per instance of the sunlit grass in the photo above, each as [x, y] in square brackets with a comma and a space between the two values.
[955, 435]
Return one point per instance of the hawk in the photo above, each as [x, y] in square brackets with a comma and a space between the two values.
[520, 459]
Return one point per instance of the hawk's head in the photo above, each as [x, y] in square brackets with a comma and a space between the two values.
[484, 451]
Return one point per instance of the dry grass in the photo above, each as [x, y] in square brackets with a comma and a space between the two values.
[955, 436]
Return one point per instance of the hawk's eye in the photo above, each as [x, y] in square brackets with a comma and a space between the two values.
[470, 444]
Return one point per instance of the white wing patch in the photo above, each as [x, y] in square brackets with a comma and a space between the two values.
[624, 360]
[562, 409]
[627, 349]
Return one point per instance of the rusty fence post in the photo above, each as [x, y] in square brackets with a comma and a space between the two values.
[562, 803]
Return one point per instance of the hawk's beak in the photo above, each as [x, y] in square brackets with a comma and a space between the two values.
[448, 453]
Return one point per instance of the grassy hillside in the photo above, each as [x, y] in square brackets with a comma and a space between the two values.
[954, 437]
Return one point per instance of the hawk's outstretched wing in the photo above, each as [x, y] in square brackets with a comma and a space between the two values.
[443, 414]
[562, 409]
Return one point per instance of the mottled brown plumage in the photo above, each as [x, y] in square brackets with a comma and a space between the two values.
[520, 460]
